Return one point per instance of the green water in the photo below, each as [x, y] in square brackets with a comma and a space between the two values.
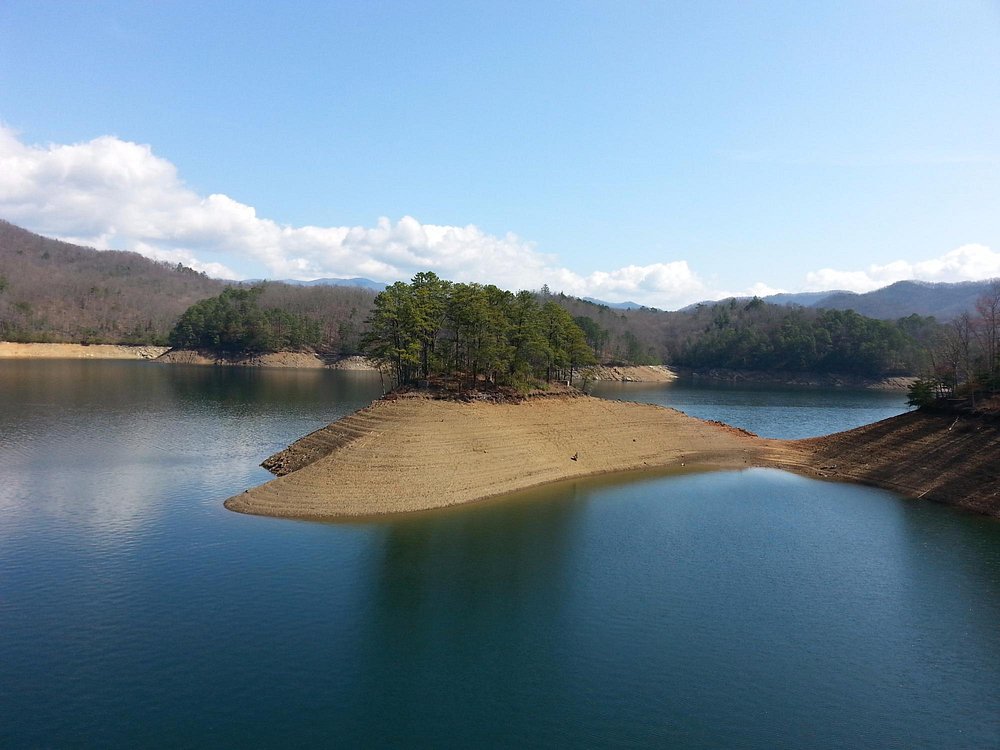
[742, 610]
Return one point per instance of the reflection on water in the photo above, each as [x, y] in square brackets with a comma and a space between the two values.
[99, 443]
[745, 609]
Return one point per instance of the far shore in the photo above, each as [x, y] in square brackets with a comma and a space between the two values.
[166, 355]
[302, 360]
[795, 378]
[15, 350]
[631, 373]
[311, 360]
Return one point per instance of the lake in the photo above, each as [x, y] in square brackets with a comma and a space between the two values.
[768, 411]
[752, 609]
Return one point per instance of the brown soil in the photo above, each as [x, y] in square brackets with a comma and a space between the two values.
[276, 359]
[12, 350]
[353, 362]
[632, 373]
[947, 457]
[415, 453]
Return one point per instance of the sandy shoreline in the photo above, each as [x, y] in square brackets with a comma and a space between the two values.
[631, 373]
[418, 453]
[14, 350]
[166, 355]
[303, 360]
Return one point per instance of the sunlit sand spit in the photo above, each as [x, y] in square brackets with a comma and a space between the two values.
[417, 453]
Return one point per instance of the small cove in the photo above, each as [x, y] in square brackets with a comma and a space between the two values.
[740, 609]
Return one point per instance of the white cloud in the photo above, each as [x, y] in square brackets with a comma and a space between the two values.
[760, 289]
[672, 282]
[110, 193]
[185, 257]
[966, 263]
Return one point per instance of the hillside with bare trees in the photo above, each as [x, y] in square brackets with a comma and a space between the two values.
[53, 291]
[58, 292]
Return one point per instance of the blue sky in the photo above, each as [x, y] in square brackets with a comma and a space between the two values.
[658, 151]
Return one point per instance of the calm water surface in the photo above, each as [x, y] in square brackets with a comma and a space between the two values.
[744, 610]
[767, 411]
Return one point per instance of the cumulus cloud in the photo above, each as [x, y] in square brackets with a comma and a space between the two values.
[109, 193]
[971, 262]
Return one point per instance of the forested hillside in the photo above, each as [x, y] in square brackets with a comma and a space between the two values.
[941, 300]
[757, 336]
[59, 292]
[55, 291]
[272, 317]
[635, 336]
[754, 335]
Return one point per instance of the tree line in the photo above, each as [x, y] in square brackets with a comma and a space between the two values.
[472, 333]
[56, 291]
[234, 321]
[756, 335]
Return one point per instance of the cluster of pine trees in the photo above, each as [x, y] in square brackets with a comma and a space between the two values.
[758, 336]
[234, 321]
[432, 328]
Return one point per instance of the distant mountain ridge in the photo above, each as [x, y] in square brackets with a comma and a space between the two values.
[614, 305]
[806, 299]
[945, 301]
[358, 281]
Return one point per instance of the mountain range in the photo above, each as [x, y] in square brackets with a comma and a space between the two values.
[74, 292]
[942, 300]
[357, 281]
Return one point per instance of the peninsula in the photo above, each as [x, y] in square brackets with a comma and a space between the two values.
[413, 452]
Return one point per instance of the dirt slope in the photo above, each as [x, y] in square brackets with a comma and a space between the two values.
[417, 453]
[13, 350]
[948, 458]
[414, 453]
